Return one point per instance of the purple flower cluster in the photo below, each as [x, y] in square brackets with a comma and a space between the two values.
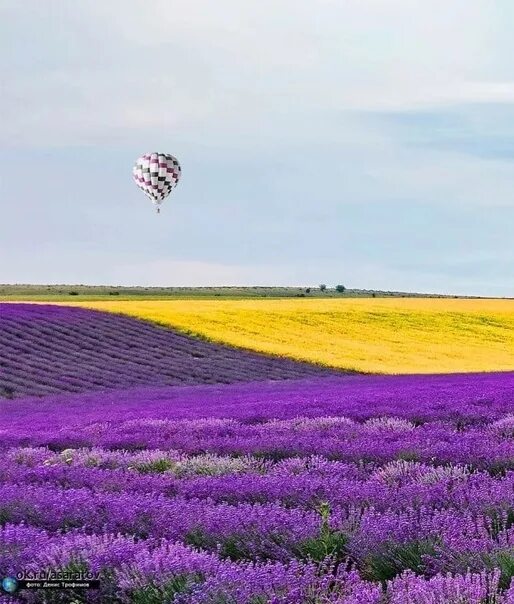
[47, 349]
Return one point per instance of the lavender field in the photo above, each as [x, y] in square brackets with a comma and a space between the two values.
[322, 489]
[48, 349]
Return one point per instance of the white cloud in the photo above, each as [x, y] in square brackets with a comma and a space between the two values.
[130, 70]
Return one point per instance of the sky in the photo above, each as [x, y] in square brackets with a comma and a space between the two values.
[368, 143]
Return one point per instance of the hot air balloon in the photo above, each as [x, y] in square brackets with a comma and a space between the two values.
[156, 174]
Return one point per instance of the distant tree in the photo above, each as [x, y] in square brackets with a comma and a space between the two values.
[73, 293]
[323, 287]
[308, 290]
[340, 288]
[374, 295]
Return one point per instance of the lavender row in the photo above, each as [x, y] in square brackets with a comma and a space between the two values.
[297, 483]
[464, 400]
[381, 543]
[379, 546]
[146, 461]
[139, 571]
[47, 349]
[246, 531]
[378, 440]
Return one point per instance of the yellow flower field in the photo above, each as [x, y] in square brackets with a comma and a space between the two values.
[398, 335]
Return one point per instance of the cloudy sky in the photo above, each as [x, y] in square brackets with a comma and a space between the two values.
[364, 142]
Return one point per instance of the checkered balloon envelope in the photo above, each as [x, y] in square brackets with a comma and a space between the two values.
[156, 174]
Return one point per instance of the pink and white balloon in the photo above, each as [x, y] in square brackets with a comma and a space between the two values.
[157, 174]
